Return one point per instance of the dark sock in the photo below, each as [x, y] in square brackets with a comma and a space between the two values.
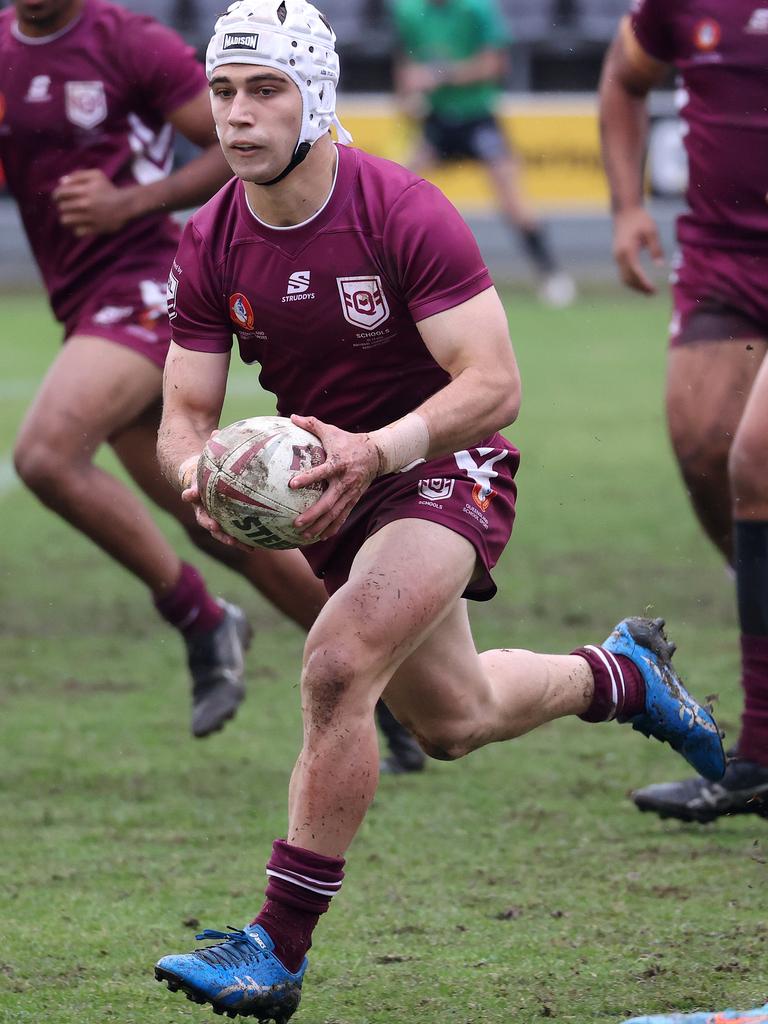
[619, 686]
[751, 562]
[188, 606]
[537, 248]
[301, 884]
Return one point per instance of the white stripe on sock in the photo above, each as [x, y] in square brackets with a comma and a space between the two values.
[331, 888]
[614, 694]
[620, 676]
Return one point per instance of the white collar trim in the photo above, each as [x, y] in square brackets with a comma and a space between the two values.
[294, 227]
[41, 40]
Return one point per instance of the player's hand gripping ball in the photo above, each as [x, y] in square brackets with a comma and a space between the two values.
[243, 477]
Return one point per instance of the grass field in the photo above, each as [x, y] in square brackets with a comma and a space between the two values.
[517, 885]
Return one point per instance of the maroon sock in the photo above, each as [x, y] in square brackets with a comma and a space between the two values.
[619, 686]
[753, 741]
[301, 884]
[188, 606]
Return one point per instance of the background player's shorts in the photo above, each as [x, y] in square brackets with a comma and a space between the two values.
[479, 139]
[718, 294]
[471, 492]
[129, 309]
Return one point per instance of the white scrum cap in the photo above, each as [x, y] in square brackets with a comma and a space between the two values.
[291, 36]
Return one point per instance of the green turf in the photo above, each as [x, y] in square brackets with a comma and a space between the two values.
[517, 885]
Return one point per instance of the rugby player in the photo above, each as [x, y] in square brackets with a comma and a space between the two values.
[401, 364]
[448, 76]
[91, 95]
[717, 383]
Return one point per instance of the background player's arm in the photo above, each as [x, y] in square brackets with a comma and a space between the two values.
[471, 342]
[629, 73]
[412, 77]
[89, 203]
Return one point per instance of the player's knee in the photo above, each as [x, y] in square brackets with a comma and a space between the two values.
[446, 741]
[40, 466]
[702, 456]
[335, 681]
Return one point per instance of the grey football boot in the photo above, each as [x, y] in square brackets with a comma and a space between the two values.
[216, 662]
[742, 790]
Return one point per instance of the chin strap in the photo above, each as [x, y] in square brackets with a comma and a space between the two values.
[299, 155]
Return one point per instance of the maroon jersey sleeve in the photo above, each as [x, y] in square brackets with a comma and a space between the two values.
[437, 263]
[651, 23]
[197, 310]
[166, 71]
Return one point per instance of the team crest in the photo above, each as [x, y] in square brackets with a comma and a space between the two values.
[436, 488]
[706, 34]
[241, 311]
[362, 301]
[85, 103]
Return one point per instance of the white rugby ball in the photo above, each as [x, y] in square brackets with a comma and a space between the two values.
[243, 475]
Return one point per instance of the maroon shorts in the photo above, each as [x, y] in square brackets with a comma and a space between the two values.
[471, 492]
[719, 294]
[129, 309]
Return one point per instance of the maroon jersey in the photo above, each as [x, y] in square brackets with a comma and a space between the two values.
[720, 48]
[95, 95]
[329, 308]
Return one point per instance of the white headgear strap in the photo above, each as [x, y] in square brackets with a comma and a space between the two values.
[290, 36]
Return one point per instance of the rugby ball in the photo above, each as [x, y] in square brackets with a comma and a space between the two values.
[243, 475]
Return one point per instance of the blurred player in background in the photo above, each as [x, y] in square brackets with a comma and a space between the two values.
[717, 382]
[92, 96]
[448, 76]
[406, 356]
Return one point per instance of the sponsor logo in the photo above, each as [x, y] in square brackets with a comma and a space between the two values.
[298, 287]
[758, 23]
[437, 488]
[39, 90]
[241, 311]
[298, 281]
[85, 103]
[241, 41]
[482, 493]
[173, 289]
[363, 301]
[706, 34]
[112, 314]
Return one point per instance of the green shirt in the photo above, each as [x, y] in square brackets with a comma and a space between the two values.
[437, 33]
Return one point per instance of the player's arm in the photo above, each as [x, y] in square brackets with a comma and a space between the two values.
[194, 386]
[471, 342]
[89, 203]
[629, 73]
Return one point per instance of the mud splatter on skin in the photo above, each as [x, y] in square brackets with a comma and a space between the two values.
[324, 697]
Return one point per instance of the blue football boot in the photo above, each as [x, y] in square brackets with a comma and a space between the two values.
[671, 714]
[757, 1016]
[239, 976]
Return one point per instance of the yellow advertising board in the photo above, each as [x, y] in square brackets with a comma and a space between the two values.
[556, 137]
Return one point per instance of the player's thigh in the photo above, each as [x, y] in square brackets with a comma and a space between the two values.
[93, 389]
[708, 383]
[442, 685]
[405, 579]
